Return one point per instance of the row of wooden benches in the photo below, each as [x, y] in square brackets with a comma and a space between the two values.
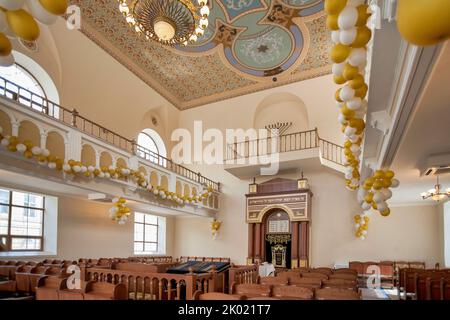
[289, 292]
[428, 284]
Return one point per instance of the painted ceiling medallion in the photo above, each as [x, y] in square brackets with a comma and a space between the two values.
[168, 21]
[248, 46]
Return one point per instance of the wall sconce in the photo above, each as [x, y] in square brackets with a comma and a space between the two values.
[302, 183]
[253, 187]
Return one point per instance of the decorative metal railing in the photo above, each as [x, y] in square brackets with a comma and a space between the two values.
[297, 141]
[72, 118]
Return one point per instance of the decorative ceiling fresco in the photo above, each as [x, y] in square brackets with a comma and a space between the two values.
[249, 45]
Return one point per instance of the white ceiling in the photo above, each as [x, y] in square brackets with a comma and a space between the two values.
[428, 133]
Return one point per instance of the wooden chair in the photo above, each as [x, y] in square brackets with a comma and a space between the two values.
[326, 271]
[337, 294]
[292, 293]
[105, 291]
[199, 295]
[315, 275]
[340, 283]
[22, 276]
[274, 281]
[252, 290]
[311, 283]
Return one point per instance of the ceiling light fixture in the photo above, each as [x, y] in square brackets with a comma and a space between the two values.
[169, 22]
[436, 193]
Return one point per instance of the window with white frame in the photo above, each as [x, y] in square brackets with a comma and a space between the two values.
[21, 221]
[151, 147]
[149, 234]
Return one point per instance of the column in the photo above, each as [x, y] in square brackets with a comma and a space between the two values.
[257, 242]
[295, 244]
[251, 237]
[304, 244]
[263, 243]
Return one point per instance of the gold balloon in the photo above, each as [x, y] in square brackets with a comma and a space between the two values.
[357, 82]
[339, 80]
[57, 7]
[23, 24]
[363, 36]
[363, 15]
[5, 46]
[424, 22]
[386, 212]
[339, 53]
[350, 72]
[369, 197]
[335, 6]
[362, 92]
[347, 113]
[389, 174]
[332, 22]
[337, 95]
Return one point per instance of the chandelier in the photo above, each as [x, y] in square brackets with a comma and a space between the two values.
[169, 22]
[436, 193]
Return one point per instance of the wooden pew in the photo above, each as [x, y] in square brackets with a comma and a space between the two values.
[340, 283]
[47, 288]
[252, 290]
[198, 295]
[274, 281]
[292, 293]
[336, 294]
[105, 291]
[311, 283]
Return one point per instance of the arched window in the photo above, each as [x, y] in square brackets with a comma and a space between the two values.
[36, 86]
[151, 147]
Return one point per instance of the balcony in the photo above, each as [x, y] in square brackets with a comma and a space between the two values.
[303, 150]
[69, 135]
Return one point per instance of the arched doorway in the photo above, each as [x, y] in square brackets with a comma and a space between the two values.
[278, 217]
[278, 238]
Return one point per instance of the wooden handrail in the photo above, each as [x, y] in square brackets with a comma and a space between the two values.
[72, 118]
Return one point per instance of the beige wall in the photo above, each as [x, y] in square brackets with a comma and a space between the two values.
[410, 233]
[84, 230]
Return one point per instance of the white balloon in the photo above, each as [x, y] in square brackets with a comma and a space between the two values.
[382, 206]
[362, 192]
[335, 36]
[338, 69]
[76, 168]
[348, 175]
[12, 4]
[362, 238]
[45, 152]
[91, 169]
[364, 232]
[7, 61]
[355, 148]
[36, 151]
[366, 206]
[378, 197]
[349, 131]
[21, 148]
[107, 175]
[40, 13]
[357, 57]
[347, 18]
[347, 93]
[395, 183]
[347, 37]
[387, 193]
[52, 165]
[354, 104]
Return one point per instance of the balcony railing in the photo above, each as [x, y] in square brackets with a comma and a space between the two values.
[297, 141]
[72, 118]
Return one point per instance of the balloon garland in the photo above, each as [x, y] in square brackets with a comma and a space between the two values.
[18, 22]
[119, 212]
[215, 226]
[76, 168]
[347, 20]
[373, 194]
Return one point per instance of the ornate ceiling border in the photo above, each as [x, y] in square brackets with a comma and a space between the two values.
[281, 80]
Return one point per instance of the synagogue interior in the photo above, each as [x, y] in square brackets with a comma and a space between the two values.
[224, 150]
